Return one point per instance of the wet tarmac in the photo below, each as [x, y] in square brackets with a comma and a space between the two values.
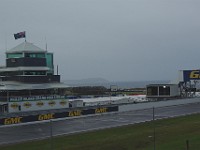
[25, 132]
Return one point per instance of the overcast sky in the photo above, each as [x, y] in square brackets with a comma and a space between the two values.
[119, 40]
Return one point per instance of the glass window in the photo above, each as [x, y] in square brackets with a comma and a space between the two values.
[35, 55]
[34, 73]
[14, 55]
[40, 55]
[152, 91]
[164, 90]
[49, 59]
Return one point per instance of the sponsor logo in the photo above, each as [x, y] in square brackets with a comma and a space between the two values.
[39, 104]
[45, 117]
[75, 113]
[195, 74]
[100, 110]
[14, 120]
[52, 103]
[27, 104]
[63, 102]
[14, 105]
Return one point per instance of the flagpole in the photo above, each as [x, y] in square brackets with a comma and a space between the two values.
[45, 44]
[25, 35]
[6, 44]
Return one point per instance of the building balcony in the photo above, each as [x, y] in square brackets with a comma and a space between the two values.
[33, 79]
[17, 62]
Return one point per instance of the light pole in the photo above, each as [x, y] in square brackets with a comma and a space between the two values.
[51, 134]
[187, 144]
[154, 130]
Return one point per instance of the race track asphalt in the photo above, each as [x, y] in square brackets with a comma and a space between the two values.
[25, 132]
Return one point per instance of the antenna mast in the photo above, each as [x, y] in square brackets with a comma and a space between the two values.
[6, 48]
[25, 35]
[45, 43]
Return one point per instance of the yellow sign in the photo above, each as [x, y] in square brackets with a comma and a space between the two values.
[52, 103]
[14, 105]
[63, 102]
[14, 120]
[194, 74]
[40, 104]
[75, 113]
[100, 110]
[27, 104]
[45, 117]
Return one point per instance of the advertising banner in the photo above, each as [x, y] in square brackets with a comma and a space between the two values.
[48, 116]
[191, 75]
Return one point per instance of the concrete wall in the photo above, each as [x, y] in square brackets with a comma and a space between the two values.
[174, 90]
[147, 105]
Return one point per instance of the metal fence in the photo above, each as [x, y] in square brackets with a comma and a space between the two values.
[51, 130]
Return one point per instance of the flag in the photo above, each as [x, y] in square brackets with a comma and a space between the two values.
[20, 35]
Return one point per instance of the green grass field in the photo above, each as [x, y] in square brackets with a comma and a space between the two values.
[171, 134]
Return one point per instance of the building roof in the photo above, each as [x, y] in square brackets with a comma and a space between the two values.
[161, 84]
[13, 85]
[9, 69]
[25, 47]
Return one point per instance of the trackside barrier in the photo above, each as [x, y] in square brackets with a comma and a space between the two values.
[148, 105]
[91, 111]
[49, 116]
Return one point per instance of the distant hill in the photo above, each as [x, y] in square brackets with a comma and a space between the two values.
[87, 82]
[107, 84]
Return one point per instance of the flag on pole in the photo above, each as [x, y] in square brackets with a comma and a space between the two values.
[20, 35]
